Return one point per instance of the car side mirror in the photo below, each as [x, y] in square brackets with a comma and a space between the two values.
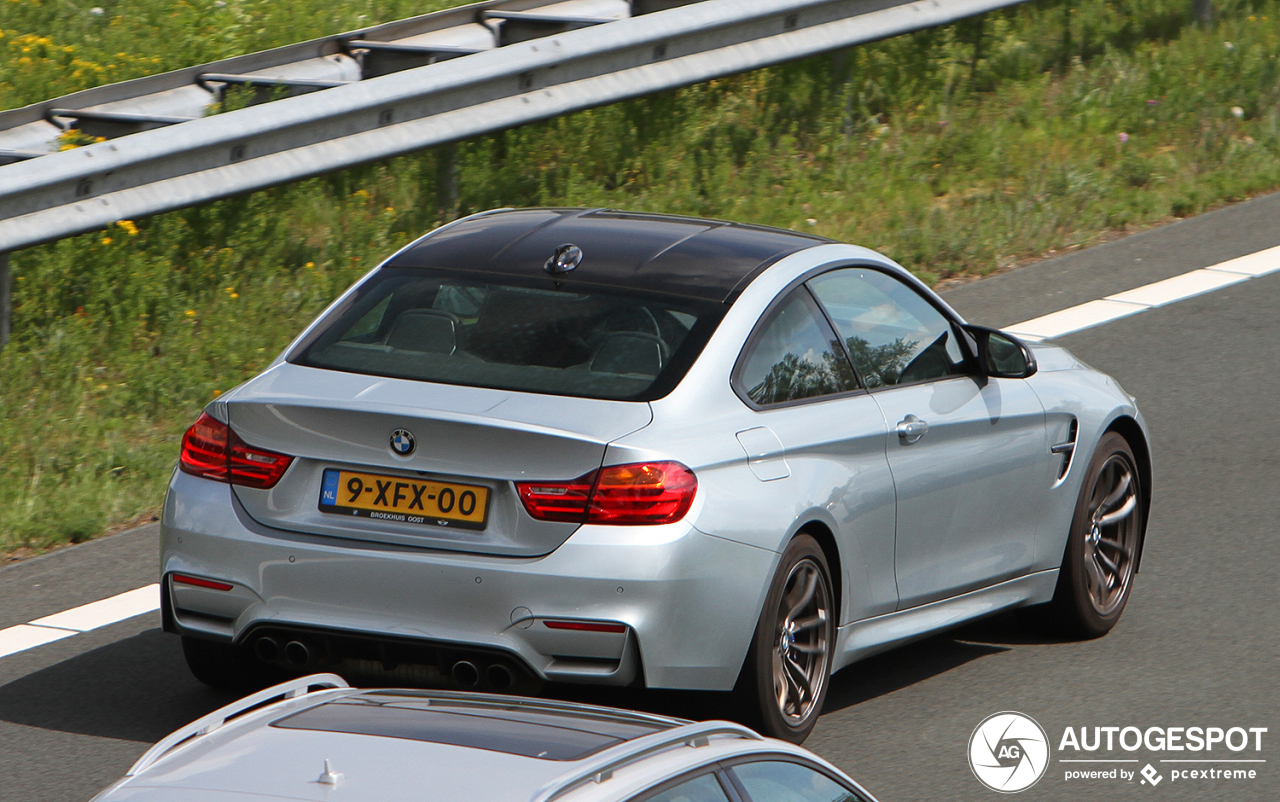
[1001, 355]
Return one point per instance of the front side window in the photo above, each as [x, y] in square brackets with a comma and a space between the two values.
[795, 356]
[893, 334]
[782, 781]
[703, 788]
[530, 336]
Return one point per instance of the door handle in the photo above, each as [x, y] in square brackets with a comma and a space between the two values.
[911, 429]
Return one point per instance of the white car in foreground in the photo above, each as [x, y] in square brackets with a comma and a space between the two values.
[315, 738]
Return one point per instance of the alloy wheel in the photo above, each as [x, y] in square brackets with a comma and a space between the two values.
[1110, 543]
[802, 642]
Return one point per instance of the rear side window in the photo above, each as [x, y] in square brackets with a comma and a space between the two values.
[535, 337]
[794, 356]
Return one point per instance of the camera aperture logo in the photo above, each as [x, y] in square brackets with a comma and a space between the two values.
[1008, 752]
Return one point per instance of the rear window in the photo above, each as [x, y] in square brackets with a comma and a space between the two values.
[541, 336]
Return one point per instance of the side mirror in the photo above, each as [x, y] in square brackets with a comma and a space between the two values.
[1001, 355]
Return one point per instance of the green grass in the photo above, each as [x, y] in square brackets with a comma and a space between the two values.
[957, 151]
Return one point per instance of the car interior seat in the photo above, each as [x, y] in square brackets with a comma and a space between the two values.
[630, 352]
[430, 330]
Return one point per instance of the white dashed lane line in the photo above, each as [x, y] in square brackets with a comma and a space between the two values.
[1161, 293]
[25, 636]
[1087, 315]
[79, 619]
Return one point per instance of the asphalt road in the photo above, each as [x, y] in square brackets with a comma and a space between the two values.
[1197, 646]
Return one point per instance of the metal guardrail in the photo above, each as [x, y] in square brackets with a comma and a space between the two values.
[544, 65]
[152, 171]
[163, 99]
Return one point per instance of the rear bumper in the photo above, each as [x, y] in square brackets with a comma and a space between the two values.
[688, 602]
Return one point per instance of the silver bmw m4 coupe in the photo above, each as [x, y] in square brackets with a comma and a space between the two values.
[589, 446]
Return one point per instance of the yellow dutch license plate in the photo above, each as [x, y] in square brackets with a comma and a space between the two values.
[403, 500]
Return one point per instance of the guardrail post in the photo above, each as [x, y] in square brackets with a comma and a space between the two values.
[1202, 12]
[447, 180]
[4, 299]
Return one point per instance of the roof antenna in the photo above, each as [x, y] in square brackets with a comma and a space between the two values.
[564, 259]
[330, 777]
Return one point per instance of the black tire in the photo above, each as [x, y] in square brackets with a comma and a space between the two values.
[227, 667]
[1104, 544]
[781, 689]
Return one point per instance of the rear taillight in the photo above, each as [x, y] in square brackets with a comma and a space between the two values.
[211, 449]
[557, 501]
[641, 493]
[644, 493]
[204, 448]
[255, 467]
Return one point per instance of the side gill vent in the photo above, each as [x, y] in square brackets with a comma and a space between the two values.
[1067, 449]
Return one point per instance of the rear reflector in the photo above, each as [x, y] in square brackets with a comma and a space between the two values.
[183, 579]
[640, 493]
[211, 449]
[586, 626]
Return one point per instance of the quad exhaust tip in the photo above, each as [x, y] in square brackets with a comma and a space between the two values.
[267, 649]
[499, 677]
[297, 654]
[465, 673]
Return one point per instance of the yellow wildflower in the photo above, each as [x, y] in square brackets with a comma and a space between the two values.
[106, 240]
[128, 227]
[235, 295]
[309, 265]
[217, 393]
[191, 313]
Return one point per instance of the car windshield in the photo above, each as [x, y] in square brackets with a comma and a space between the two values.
[538, 336]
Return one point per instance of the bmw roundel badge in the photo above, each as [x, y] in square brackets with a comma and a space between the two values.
[402, 442]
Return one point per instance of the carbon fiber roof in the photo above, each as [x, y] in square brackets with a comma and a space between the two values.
[705, 259]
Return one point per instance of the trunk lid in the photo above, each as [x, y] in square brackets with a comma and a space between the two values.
[466, 439]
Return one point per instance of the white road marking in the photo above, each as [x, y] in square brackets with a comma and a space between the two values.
[1077, 318]
[121, 607]
[25, 636]
[1197, 282]
[1084, 316]
[104, 612]
[1254, 264]
[1150, 296]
